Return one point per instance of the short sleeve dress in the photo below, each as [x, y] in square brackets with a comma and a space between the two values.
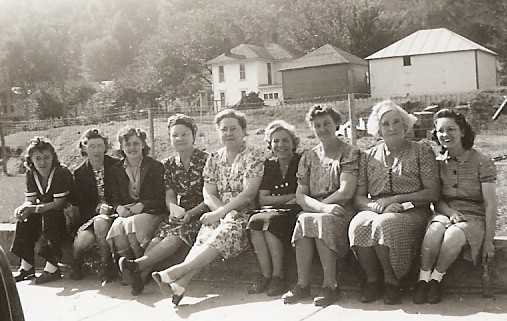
[228, 235]
[50, 224]
[401, 232]
[461, 179]
[187, 184]
[279, 221]
[323, 179]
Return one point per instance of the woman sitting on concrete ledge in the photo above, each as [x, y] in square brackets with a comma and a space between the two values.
[466, 211]
[40, 217]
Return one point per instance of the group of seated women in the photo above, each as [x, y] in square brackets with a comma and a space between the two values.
[387, 204]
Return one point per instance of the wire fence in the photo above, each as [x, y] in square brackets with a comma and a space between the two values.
[355, 107]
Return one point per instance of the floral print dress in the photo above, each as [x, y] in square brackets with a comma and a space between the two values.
[228, 235]
[187, 184]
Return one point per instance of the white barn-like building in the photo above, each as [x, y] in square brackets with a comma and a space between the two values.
[431, 61]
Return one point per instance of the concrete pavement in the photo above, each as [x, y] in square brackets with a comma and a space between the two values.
[69, 300]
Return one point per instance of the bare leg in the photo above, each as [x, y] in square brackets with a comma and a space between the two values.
[383, 255]
[134, 245]
[304, 258]
[100, 228]
[454, 240]
[260, 245]
[369, 262]
[277, 251]
[328, 260]
[198, 257]
[161, 251]
[84, 240]
[431, 246]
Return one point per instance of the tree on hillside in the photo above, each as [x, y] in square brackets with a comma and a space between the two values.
[360, 27]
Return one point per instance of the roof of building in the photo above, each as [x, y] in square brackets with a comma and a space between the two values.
[270, 51]
[428, 41]
[325, 55]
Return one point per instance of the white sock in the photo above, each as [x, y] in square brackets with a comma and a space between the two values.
[50, 268]
[25, 265]
[424, 275]
[435, 275]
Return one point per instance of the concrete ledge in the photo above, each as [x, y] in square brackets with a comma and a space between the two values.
[461, 277]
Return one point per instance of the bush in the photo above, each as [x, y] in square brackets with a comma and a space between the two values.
[252, 100]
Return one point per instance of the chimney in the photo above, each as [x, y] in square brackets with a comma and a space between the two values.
[227, 46]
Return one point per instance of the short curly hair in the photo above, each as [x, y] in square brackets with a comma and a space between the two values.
[321, 110]
[126, 132]
[377, 111]
[468, 139]
[91, 133]
[182, 119]
[277, 125]
[40, 144]
[231, 113]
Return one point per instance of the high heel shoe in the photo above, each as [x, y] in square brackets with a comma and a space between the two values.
[178, 293]
[165, 288]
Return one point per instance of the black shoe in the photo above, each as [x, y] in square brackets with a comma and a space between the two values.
[108, 272]
[327, 296]
[46, 277]
[277, 287]
[24, 274]
[370, 292]
[392, 294]
[130, 267]
[420, 295]
[260, 285]
[296, 294]
[76, 270]
[434, 292]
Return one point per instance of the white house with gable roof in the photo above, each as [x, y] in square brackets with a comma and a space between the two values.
[431, 61]
[249, 68]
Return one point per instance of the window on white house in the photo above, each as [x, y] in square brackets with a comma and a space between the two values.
[243, 93]
[407, 61]
[270, 77]
[271, 96]
[275, 95]
[222, 99]
[265, 96]
[221, 74]
[242, 74]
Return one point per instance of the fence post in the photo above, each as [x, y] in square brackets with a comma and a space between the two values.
[353, 119]
[152, 132]
[4, 149]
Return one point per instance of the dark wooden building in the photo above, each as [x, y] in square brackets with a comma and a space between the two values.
[325, 72]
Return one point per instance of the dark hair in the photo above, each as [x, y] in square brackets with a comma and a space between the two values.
[39, 143]
[126, 132]
[277, 125]
[321, 110]
[231, 113]
[92, 133]
[182, 119]
[467, 141]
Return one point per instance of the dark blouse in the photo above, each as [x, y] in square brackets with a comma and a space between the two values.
[274, 182]
[59, 184]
